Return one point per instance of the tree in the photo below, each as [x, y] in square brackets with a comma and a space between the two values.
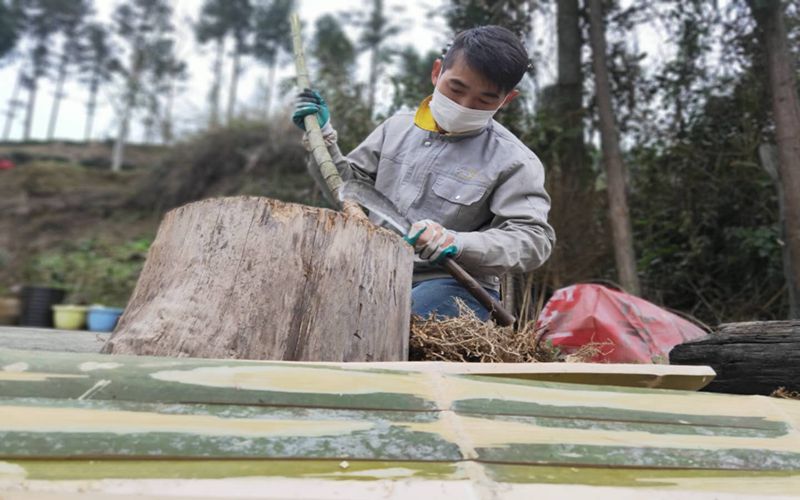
[512, 14]
[97, 66]
[412, 80]
[212, 27]
[272, 37]
[238, 17]
[9, 28]
[377, 30]
[145, 27]
[11, 24]
[335, 57]
[619, 216]
[70, 19]
[159, 92]
[41, 22]
[769, 15]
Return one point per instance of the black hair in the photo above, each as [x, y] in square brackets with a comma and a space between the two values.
[493, 51]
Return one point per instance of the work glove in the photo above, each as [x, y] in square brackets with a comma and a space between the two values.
[309, 102]
[432, 241]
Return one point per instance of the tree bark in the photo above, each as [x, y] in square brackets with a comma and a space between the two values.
[255, 278]
[749, 358]
[786, 113]
[612, 157]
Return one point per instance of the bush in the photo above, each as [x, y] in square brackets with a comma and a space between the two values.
[92, 271]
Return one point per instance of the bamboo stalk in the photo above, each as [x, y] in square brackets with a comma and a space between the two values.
[319, 150]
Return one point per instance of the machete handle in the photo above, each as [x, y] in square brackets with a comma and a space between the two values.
[498, 312]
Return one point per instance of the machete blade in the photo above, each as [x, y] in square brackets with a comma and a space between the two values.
[376, 202]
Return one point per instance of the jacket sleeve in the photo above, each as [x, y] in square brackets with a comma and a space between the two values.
[362, 162]
[518, 238]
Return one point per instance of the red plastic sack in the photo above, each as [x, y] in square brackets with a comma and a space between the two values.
[625, 329]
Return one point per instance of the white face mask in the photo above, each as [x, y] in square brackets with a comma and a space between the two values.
[455, 118]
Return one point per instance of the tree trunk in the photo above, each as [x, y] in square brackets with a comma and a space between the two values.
[91, 106]
[372, 84]
[13, 102]
[786, 113]
[255, 278]
[768, 154]
[118, 155]
[270, 88]
[32, 88]
[612, 157]
[62, 75]
[235, 69]
[213, 95]
[749, 358]
[167, 129]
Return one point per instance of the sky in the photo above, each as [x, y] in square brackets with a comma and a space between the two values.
[422, 30]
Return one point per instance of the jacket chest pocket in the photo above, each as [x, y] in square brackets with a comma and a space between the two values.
[460, 204]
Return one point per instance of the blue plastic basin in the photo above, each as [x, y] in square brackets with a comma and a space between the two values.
[103, 319]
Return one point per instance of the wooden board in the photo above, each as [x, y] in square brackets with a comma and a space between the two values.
[83, 424]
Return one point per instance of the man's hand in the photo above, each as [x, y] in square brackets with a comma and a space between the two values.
[309, 102]
[432, 241]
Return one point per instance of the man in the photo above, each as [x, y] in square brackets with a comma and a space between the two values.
[476, 191]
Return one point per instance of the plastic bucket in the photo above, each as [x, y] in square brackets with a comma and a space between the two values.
[103, 319]
[37, 302]
[68, 317]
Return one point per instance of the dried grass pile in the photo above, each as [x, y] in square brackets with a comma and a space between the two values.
[468, 339]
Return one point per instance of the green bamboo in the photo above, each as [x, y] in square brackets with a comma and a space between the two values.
[58, 405]
[319, 150]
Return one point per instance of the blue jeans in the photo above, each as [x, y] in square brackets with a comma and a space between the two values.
[438, 296]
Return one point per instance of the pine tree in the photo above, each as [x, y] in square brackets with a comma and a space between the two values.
[97, 65]
[145, 29]
[272, 39]
[71, 18]
[377, 31]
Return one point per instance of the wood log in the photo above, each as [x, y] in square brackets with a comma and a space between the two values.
[254, 278]
[749, 358]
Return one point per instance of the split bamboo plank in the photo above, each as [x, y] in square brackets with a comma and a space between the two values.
[627, 375]
[204, 428]
[331, 480]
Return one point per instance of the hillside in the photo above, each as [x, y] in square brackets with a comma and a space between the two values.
[66, 220]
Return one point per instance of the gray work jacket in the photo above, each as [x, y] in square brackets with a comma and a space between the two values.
[485, 185]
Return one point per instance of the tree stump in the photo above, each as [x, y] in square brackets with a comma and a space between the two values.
[749, 358]
[255, 278]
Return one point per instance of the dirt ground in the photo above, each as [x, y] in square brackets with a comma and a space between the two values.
[50, 199]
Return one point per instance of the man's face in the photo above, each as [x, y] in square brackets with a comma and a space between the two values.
[467, 87]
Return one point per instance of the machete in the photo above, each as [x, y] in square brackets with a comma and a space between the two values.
[377, 203]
